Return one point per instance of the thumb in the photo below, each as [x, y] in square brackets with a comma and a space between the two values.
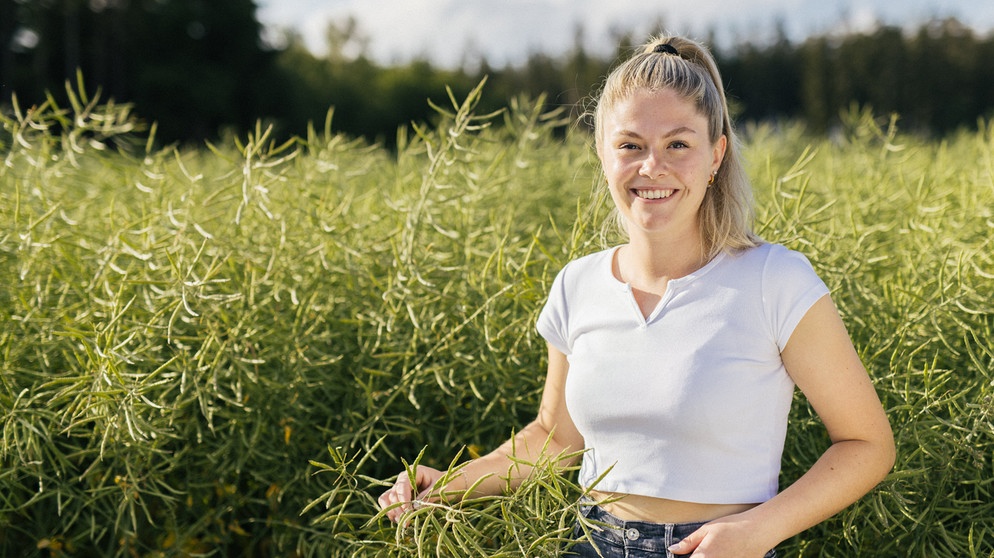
[425, 478]
[688, 544]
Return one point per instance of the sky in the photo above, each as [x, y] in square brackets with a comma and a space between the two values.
[450, 33]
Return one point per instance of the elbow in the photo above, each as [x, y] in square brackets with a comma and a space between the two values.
[889, 456]
[885, 449]
[884, 456]
[874, 457]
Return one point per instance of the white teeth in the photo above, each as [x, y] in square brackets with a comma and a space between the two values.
[653, 194]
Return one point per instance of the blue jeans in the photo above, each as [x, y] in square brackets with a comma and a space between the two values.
[628, 539]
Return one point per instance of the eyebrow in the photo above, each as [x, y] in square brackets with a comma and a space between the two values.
[671, 133]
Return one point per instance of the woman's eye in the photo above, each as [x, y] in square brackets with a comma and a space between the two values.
[679, 145]
[628, 146]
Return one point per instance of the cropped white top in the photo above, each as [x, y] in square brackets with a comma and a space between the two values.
[690, 404]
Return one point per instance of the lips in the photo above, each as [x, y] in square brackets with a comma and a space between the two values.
[654, 194]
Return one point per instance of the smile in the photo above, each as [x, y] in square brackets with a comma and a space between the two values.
[654, 194]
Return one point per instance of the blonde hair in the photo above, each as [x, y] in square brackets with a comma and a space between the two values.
[687, 68]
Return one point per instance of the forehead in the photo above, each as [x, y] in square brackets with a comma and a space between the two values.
[650, 109]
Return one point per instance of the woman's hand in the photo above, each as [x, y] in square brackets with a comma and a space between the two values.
[403, 493]
[731, 537]
[507, 465]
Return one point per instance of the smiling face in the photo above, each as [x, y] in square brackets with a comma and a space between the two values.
[657, 159]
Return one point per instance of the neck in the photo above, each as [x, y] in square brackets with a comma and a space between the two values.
[655, 258]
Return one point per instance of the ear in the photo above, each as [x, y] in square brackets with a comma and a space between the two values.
[719, 152]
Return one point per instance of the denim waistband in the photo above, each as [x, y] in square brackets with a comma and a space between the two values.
[632, 538]
[647, 528]
[635, 535]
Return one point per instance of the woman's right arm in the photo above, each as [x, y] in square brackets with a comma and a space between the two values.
[552, 431]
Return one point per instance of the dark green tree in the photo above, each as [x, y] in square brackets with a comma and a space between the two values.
[817, 97]
[194, 66]
[198, 65]
[764, 81]
[949, 76]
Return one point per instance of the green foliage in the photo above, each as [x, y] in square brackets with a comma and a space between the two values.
[231, 351]
[901, 230]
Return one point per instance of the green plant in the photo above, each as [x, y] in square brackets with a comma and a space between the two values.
[187, 336]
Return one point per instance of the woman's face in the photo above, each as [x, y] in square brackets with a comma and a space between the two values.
[657, 158]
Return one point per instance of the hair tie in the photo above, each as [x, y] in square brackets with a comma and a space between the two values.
[665, 48]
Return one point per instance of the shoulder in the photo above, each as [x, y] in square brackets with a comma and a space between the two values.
[774, 260]
[789, 285]
[587, 267]
[593, 260]
[586, 274]
[764, 251]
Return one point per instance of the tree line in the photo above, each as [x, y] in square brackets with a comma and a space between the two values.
[201, 69]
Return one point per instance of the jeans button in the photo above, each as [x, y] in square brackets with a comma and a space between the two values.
[632, 534]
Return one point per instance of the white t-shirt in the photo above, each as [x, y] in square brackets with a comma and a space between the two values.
[690, 404]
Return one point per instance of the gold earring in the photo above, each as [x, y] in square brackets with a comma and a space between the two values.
[711, 180]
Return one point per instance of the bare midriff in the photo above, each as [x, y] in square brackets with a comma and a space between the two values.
[633, 507]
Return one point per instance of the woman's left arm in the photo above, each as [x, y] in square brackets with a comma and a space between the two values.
[822, 361]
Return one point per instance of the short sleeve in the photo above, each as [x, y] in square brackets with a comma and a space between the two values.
[790, 287]
[553, 321]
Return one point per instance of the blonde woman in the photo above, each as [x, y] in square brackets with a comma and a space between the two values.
[673, 357]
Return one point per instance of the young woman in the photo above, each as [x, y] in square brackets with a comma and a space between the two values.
[673, 358]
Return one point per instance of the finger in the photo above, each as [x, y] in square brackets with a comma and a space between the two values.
[688, 544]
[399, 499]
[403, 487]
[395, 514]
[388, 497]
[396, 509]
[389, 501]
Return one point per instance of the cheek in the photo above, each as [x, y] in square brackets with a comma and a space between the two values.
[612, 172]
[620, 168]
[696, 169]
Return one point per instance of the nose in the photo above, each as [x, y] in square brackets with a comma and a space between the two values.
[653, 166]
